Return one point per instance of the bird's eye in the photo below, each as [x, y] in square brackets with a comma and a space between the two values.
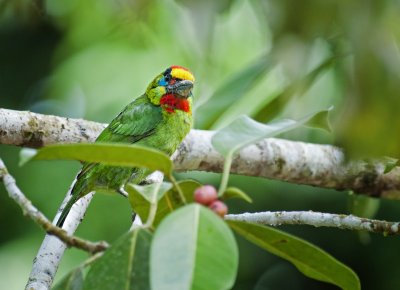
[167, 78]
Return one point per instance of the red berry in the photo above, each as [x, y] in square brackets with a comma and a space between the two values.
[219, 208]
[205, 194]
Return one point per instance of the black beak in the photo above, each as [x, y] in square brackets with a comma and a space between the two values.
[181, 88]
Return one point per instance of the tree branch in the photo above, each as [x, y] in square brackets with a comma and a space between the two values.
[27, 129]
[47, 260]
[32, 212]
[52, 249]
[296, 162]
[318, 219]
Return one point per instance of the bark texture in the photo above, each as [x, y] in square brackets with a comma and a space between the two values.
[296, 162]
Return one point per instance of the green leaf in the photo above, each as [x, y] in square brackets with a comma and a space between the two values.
[72, 281]
[390, 164]
[319, 120]
[232, 90]
[194, 249]
[168, 202]
[171, 200]
[234, 192]
[309, 259]
[109, 153]
[25, 155]
[150, 192]
[245, 131]
[123, 266]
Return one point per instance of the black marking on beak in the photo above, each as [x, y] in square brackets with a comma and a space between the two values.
[181, 88]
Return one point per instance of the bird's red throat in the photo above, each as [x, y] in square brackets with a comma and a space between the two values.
[170, 103]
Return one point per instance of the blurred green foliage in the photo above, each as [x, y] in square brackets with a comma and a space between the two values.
[267, 59]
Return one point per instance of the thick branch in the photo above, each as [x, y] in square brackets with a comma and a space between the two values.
[296, 162]
[27, 129]
[318, 219]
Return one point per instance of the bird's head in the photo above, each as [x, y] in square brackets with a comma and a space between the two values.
[172, 89]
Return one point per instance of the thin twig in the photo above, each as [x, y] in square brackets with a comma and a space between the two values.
[318, 219]
[32, 212]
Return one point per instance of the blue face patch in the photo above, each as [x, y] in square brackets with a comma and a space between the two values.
[162, 82]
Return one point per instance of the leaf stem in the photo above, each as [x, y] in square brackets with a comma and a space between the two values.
[91, 260]
[225, 174]
[178, 188]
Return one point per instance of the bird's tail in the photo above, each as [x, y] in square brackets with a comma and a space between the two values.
[78, 190]
[74, 198]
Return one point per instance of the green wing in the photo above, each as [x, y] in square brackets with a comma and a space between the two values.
[138, 120]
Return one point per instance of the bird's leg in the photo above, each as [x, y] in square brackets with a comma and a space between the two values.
[122, 191]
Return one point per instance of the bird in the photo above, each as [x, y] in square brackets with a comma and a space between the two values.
[159, 119]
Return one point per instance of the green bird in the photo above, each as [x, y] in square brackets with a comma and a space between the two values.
[159, 119]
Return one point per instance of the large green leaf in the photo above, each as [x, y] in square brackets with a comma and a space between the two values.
[309, 259]
[109, 153]
[72, 281]
[231, 90]
[194, 249]
[244, 131]
[167, 200]
[123, 266]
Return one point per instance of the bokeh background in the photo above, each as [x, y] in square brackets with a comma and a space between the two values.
[267, 59]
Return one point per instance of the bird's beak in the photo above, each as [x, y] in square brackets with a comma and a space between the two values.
[181, 88]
